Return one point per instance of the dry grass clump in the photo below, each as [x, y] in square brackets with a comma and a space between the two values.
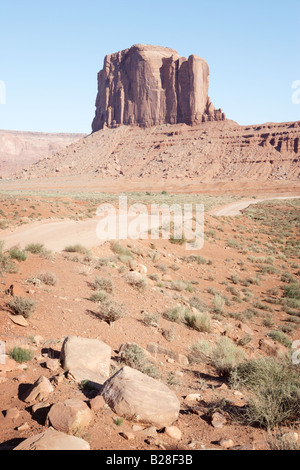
[133, 356]
[22, 306]
[111, 311]
[101, 283]
[47, 278]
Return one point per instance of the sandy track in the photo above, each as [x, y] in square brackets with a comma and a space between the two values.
[56, 235]
[236, 208]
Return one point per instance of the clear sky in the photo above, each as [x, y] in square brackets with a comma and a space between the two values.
[52, 50]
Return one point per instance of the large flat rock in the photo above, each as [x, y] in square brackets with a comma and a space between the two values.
[138, 397]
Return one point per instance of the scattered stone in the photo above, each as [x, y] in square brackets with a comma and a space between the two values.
[58, 379]
[173, 432]
[137, 428]
[226, 443]
[70, 415]
[52, 364]
[246, 329]
[150, 432]
[291, 437]
[53, 440]
[12, 414]
[137, 396]
[18, 320]
[38, 340]
[218, 420]
[24, 427]
[86, 359]
[193, 397]
[97, 403]
[39, 390]
[129, 436]
[271, 348]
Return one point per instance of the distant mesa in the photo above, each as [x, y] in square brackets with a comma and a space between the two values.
[150, 85]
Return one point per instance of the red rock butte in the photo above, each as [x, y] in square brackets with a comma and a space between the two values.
[150, 85]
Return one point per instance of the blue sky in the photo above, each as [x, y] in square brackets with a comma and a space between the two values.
[51, 52]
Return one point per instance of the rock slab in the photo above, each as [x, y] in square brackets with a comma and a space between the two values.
[136, 396]
[53, 440]
[86, 359]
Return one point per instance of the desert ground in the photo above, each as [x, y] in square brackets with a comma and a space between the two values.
[190, 320]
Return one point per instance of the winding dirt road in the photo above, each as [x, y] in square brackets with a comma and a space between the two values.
[56, 235]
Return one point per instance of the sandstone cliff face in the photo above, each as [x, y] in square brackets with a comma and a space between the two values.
[21, 149]
[150, 85]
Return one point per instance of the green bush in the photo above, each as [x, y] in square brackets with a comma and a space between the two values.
[20, 355]
[275, 392]
[17, 254]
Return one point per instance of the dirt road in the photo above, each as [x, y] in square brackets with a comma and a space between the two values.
[237, 207]
[56, 235]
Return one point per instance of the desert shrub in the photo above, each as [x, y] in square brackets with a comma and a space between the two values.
[280, 337]
[274, 387]
[139, 282]
[180, 286]
[154, 256]
[199, 352]
[268, 321]
[151, 319]
[17, 254]
[177, 241]
[22, 306]
[201, 322]
[119, 249]
[76, 249]
[292, 291]
[111, 311]
[176, 314]
[225, 356]
[99, 296]
[47, 278]
[199, 304]
[35, 248]
[133, 356]
[101, 283]
[168, 333]
[20, 355]
[218, 303]
[6, 263]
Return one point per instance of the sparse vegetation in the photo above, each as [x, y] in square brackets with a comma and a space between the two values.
[22, 306]
[20, 355]
[133, 356]
[47, 278]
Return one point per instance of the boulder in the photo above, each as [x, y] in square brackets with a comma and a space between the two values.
[86, 359]
[137, 396]
[150, 85]
[70, 416]
[39, 390]
[271, 348]
[53, 440]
